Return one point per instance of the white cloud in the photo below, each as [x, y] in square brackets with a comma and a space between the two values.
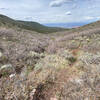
[74, 6]
[28, 18]
[89, 17]
[98, 17]
[4, 8]
[92, 7]
[57, 3]
[68, 13]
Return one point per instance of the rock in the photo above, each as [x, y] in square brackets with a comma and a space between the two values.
[6, 69]
[12, 75]
[32, 94]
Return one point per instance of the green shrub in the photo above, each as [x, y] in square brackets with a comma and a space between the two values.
[72, 59]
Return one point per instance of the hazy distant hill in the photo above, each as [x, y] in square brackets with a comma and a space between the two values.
[67, 25]
[34, 26]
[92, 25]
[70, 25]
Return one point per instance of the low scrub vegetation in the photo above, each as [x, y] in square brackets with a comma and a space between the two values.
[59, 66]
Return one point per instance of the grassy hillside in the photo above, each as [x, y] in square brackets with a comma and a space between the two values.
[33, 26]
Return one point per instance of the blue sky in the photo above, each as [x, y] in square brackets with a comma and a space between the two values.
[52, 11]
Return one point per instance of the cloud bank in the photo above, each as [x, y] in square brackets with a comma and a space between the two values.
[51, 11]
[58, 3]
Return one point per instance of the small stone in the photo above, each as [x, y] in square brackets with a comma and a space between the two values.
[12, 75]
[32, 94]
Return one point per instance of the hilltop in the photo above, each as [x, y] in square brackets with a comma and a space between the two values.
[32, 26]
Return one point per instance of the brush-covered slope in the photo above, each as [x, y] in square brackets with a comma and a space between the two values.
[93, 25]
[33, 26]
[59, 66]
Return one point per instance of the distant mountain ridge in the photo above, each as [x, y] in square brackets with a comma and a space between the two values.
[67, 25]
[33, 26]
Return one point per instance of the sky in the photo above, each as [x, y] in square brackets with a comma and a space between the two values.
[51, 11]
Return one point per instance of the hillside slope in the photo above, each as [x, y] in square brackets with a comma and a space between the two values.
[88, 26]
[59, 66]
[33, 26]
